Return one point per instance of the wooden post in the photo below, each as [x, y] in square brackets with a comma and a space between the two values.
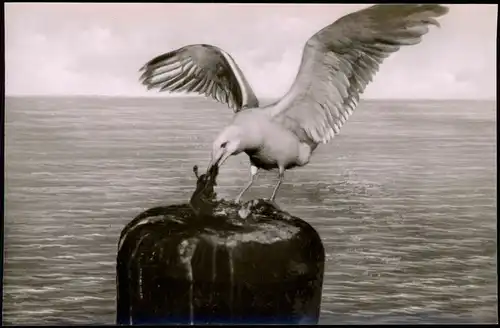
[238, 264]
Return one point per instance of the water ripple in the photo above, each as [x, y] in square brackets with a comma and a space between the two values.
[408, 222]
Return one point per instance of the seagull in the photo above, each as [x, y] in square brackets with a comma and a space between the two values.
[337, 64]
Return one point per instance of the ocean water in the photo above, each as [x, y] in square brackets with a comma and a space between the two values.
[404, 200]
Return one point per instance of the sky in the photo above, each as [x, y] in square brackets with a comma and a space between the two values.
[97, 48]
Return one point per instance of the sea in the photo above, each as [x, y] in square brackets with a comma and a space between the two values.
[404, 199]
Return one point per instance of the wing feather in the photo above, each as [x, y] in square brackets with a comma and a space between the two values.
[200, 68]
[339, 61]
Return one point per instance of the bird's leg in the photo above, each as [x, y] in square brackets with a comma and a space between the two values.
[281, 177]
[253, 173]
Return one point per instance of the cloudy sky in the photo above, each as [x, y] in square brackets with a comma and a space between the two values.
[96, 49]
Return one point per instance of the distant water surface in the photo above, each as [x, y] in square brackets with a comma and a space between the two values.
[404, 200]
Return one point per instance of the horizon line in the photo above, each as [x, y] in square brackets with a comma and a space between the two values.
[200, 96]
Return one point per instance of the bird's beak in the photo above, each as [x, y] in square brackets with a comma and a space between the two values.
[219, 158]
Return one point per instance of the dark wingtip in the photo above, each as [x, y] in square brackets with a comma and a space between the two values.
[144, 67]
[442, 10]
[438, 10]
[144, 76]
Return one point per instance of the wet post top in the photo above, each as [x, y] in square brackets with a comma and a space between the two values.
[215, 261]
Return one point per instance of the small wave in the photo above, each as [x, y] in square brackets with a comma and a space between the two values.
[91, 255]
[76, 299]
[24, 290]
[39, 246]
[65, 257]
[26, 258]
[35, 312]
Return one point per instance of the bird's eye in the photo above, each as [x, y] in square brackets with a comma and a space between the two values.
[223, 145]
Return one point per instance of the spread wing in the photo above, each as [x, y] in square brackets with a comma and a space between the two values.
[204, 69]
[340, 60]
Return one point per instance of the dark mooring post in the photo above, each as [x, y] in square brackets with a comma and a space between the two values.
[218, 262]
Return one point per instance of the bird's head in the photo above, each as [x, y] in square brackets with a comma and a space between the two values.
[227, 143]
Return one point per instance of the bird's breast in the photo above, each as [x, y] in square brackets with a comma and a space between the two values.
[280, 148]
[274, 145]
